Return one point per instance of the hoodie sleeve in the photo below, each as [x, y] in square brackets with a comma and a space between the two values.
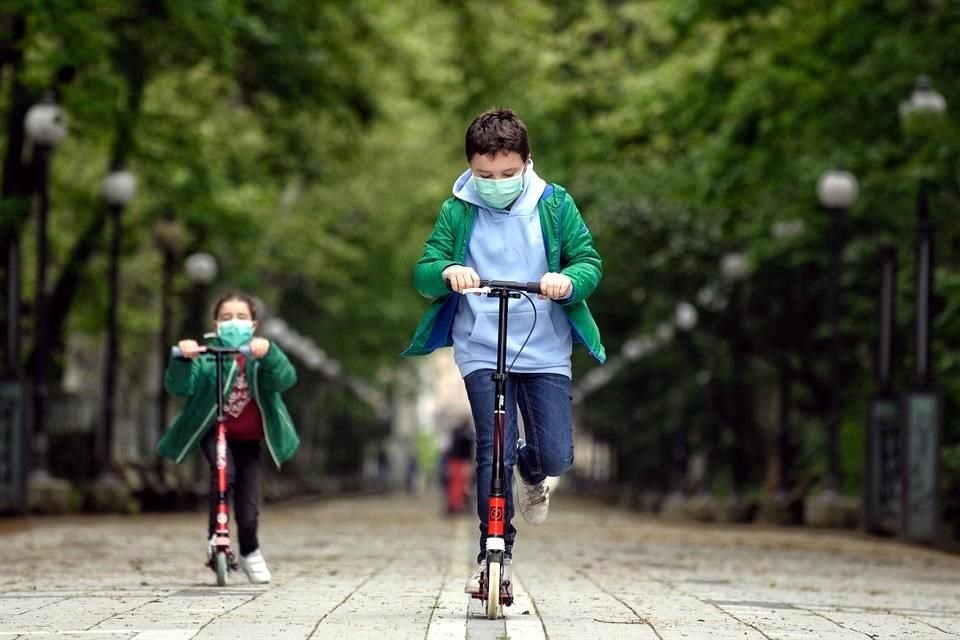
[579, 260]
[437, 255]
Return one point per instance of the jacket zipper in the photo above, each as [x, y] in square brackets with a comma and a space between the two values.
[206, 421]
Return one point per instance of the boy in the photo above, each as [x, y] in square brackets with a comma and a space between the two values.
[506, 223]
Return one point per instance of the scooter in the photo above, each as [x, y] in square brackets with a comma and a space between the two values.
[223, 558]
[493, 589]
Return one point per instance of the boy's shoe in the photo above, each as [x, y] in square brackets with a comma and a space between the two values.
[473, 582]
[255, 567]
[533, 499]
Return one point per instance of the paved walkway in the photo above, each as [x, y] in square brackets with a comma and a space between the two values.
[392, 568]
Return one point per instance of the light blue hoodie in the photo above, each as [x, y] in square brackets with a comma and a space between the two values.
[508, 245]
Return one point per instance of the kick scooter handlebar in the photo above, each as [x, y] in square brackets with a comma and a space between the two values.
[486, 286]
[244, 350]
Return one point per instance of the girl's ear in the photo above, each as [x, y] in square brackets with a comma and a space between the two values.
[255, 325]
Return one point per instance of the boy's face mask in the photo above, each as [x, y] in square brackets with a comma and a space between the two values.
[499, 193]
[236, 332]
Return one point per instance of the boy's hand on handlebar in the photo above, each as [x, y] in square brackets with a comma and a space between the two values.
[461, 277]
[259, 347]
[555, 286]
[189, 349]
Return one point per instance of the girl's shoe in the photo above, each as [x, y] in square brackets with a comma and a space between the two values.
[255, 567]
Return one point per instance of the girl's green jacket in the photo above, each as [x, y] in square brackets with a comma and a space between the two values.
[569, 248]
[196, 379]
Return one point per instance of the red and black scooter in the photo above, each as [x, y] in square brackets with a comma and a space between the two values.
[493, 589]
[223, 559]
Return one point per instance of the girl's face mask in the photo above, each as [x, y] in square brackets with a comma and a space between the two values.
[236, 332]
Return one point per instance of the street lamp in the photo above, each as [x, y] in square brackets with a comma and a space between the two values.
[734, 269]
[170, 235]
[119, 187]
[685, 318]
[923, 404]
[923, 100]
[45, 126]
[837, 191]
[201, 268]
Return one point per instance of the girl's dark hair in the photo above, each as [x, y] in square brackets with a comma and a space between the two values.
[497, 130]
[235, 295]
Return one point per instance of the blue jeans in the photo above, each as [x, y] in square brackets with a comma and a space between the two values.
[546, 406]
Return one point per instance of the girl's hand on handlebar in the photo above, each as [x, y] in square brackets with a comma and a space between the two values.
[259, 347]
[189, 349]
[555, 286]
[461, 277]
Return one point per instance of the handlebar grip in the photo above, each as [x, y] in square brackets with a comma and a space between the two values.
[175, 351]
[529, 287]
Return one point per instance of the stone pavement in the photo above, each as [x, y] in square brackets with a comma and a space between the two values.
[391, 567]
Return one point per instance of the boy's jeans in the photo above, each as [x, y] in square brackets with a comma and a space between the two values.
[546, 407]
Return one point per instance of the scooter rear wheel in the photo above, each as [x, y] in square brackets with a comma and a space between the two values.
[493, 589]
[221, 568]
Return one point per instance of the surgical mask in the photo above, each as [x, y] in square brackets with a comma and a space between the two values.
[236, 332]
[499, 193]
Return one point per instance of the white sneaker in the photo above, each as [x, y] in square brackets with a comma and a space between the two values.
[473, 582]
[210, 548]
[255, 567]
[533, 499]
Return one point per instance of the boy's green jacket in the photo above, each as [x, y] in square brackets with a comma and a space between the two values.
[196, 379]
[569, 248]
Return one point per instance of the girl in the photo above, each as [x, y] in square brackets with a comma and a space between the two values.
[254, 411]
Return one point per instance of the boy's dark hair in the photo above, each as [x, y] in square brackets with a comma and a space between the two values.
[236, 295]
[497, 130]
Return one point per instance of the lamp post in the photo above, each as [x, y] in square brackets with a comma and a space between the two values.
[882, 468]
[45, 125]
[119, 188]
[685, 319]
[923, 405]
[837, 191]
[734, 269]
[201, 269]
[923, 102]
[169, 235]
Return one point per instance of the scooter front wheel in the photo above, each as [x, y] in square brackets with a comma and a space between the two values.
[221, 568]
[493, 589]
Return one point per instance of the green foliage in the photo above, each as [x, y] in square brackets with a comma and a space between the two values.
[309, 148]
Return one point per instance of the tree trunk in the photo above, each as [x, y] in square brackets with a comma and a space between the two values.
[130, 60]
